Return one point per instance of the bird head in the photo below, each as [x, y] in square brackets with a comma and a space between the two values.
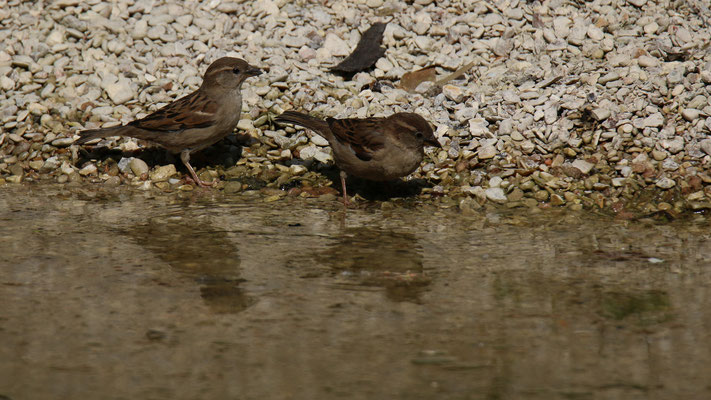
[418, 127]
[229, 73]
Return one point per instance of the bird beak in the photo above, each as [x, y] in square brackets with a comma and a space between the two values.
[253, 71]
[433, 142]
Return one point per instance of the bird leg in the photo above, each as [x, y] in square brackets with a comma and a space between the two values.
[185, 158]
[343, 187]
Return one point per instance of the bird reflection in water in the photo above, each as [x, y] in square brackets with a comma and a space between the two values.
[368, 257]
[194, 248]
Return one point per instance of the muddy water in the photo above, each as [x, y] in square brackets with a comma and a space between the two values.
[129, 295]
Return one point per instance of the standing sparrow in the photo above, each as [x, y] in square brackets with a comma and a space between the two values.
[195, 121]
[377, 149]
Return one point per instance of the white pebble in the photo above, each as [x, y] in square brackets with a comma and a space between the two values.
[120, 91]
[496, 195]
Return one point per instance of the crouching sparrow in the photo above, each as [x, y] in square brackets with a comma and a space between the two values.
[377, 149]
[195, 121]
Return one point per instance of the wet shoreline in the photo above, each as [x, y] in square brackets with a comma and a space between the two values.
[238, 297]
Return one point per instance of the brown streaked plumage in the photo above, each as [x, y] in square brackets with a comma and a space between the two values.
[377, 149]
[195, 121]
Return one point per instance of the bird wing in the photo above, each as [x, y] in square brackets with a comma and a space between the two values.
[364, 137]
[190, 112]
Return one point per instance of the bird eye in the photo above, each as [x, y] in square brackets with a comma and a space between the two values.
[419, 135]
[235, 70]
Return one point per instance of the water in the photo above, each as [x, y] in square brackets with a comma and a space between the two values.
[114, 294]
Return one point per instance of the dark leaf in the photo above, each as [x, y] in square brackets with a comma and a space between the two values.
[366, 53]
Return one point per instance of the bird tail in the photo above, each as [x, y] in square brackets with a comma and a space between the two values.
[91, 134]
[305, 120]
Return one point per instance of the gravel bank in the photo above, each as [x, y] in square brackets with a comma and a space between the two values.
[593, 104]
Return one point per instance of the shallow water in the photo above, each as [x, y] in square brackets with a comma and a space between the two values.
[114, 294]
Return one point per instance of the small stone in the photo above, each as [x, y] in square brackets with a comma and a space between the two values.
[55, 37]
[6, 83]
[698, 195]
[308, 152]
[495, 181]
[561, 26]
[322, 156]
[297, 169]
[162, 173]
[487, 152]
[654, 121]
[384, 65]
[647, 61]
[674, 145]
[496, 195]
[140, 29]
[454, 93]
[683, 35]
[665, 183]
[706, 146]
[37, 109]
[138, 166]
[423, 42]
[50, 164]
[207, 23]
[335, 46]
[267, 6]
[690, 114]
[670, 165]
[556, 200]
[307, 53]
[698, 102]
[577, 35]
[528, 146]
[651, 28]
[36, 164]
[676, 76]
[659, 155]
[584, 166]
[62, 142]
[609, 77]
[120, 91]
[491, 19]
[516, 195]
[22, 61]
[295, 41]
[422, 23]
[425, 87]
[124, 164]
[233, 187]
[601, 114]
[156, 32]
[88, 170]
[67, 168]
[112, 181]
[319, 140]
[595, 33]
[541, 195]
[637, 3]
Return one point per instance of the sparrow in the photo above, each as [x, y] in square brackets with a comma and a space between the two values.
[195, 121]
[376, 149]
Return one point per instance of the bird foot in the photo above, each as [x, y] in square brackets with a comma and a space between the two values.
[200, 182]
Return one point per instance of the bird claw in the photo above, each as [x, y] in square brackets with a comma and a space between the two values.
[200, 182]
